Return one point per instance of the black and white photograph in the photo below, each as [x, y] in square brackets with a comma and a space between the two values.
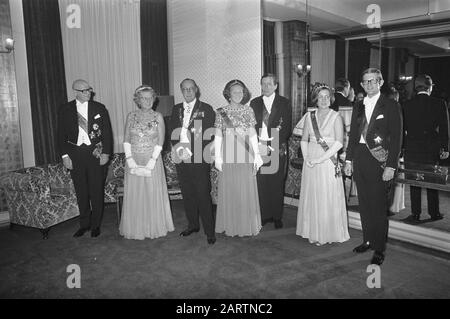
[224, 158]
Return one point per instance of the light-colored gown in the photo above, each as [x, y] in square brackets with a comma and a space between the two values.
[322, 215]
[238, 212]
[146, 208]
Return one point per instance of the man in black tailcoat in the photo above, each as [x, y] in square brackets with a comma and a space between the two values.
[188, 124]
[426, 140]
[273, 113]
[372, 155]
[85, 144]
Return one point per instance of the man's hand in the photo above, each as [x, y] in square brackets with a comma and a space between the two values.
[388, 174]
[67, 162]
[444, 155]
[348, 169]
[104, 158]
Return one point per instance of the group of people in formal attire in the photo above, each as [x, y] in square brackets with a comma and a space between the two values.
[247, 140]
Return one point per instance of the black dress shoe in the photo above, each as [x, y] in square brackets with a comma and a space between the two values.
[211, 240]
[187, 232]
[95, 232]
[266, 220]
[377, 258]
[278, 223]
[80, 232]
[437, 217]
[361, 248]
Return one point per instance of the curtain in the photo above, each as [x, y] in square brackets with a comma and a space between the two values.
[323, 61]
[269, 47]
[46, 74]
[154, 50]
[105, 51]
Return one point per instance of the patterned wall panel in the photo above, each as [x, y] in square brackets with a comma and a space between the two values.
[214, 42]
[10, 144]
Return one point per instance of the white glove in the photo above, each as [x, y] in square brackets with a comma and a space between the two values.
[152, 161]
[257, 161]
[130, 161]
[218, 160]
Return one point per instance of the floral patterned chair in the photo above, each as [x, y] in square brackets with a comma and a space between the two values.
[40, 196]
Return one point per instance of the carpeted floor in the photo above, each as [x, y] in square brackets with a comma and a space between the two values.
[275, 264]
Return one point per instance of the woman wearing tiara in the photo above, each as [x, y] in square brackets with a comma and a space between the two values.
[237, 159]
[322, 215]
[146, 207]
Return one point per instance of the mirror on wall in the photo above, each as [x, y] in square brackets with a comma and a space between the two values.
[402, 41]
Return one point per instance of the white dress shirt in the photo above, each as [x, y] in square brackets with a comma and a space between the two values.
[369, 103]
[188, 107]
[268, 101]
[83, 136]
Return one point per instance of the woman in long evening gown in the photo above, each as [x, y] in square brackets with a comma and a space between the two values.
[322, 214]
[146, 208]
[237, 159]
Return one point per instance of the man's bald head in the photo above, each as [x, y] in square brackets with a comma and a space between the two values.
[82, 90]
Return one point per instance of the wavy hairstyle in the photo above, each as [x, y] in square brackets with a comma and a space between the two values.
[139, 90]
[227, 94]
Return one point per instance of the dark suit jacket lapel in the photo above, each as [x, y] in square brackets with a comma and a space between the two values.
[274, 112]
[259, 105]
[91, 114]
[361, 109]
[73, 114]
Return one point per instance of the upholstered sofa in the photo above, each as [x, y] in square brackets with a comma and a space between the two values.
[43, 196]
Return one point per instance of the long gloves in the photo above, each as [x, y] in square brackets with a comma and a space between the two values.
[141, 170]
[257, 161]
[152, 161]
[328, 154]
[218, 160]
[130, 160]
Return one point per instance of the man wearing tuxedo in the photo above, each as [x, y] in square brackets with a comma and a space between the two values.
[426, 140]
[372, 155]
[189, 121]
[85, 143]
[342, 87]
[272, 112]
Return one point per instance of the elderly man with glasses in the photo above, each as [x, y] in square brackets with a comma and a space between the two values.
[372, 155]
[85, 143]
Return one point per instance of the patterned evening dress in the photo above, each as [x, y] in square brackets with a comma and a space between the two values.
[146, 208]
[238, 212]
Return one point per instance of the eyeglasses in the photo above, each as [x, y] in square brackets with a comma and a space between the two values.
[84, 91]
[371, 81]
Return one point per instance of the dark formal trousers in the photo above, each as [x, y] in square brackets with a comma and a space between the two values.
[195, 182]
[271, 191]
[88, 179]
[416, 192]
[372, 197]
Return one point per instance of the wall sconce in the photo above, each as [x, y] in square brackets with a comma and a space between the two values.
[9, 45]
[405, 78]
[302, 69]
